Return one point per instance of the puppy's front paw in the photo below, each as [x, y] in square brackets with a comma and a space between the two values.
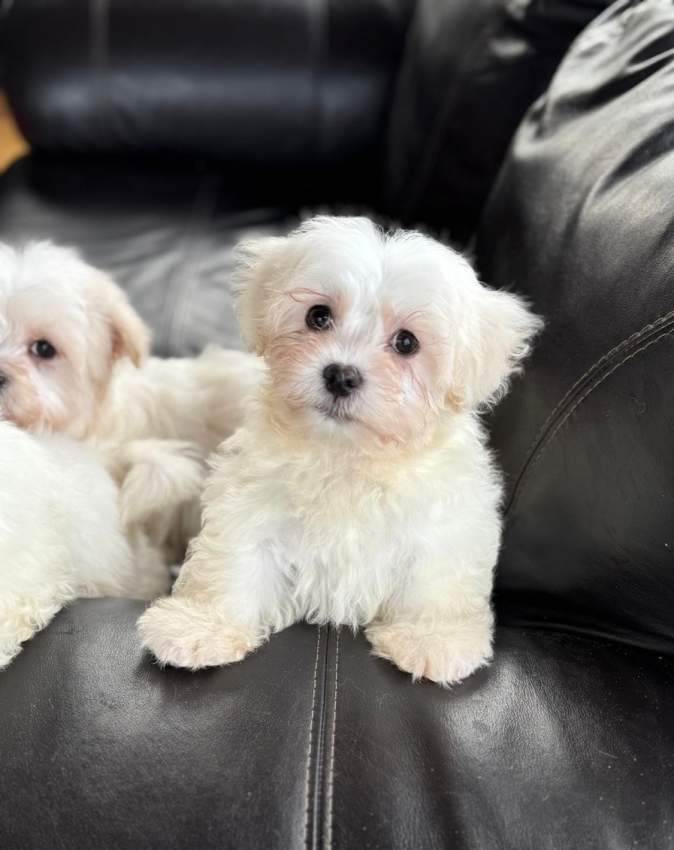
[184, 634]
[443, 652]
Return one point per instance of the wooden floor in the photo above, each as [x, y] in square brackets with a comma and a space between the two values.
[12, 144]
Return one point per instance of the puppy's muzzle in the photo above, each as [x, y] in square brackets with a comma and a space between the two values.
[341, 381]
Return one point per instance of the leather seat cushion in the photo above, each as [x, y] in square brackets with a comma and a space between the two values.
[563, 742]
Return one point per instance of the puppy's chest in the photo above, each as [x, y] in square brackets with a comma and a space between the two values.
[345, 510]
[349, 542]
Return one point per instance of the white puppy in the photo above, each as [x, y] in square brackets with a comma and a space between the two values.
[61, 536]
[73, 359]
[359, 491]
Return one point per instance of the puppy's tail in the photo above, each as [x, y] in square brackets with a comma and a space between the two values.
[158, 476]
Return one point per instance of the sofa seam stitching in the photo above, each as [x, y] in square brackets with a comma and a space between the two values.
[318, 22]
[307, 781]
[99, 51]
[605, 358]
[328, 839]
[574, 407]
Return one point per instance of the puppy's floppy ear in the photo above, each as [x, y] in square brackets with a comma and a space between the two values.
[130, 335]
[492, 347]
[258, 264]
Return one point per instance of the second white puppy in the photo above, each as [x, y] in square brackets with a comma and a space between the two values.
[360, 490]
[74, 360]
[61, 536]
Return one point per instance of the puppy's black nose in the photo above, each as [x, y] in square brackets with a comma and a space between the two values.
[341, 381]
[3, 380]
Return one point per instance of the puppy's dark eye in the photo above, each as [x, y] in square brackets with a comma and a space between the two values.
[319, 317]
[405, 343]
[43, 349]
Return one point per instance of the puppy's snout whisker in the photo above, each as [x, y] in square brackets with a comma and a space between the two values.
[340, 380]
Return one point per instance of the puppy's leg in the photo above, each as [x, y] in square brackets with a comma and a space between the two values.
[157, 477]
[225, 604]
[441, 626]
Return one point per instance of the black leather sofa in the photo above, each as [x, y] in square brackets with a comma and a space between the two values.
[160, 134]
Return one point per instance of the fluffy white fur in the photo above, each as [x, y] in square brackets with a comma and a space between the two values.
[380, 509]
[61, 535]
[100, 385]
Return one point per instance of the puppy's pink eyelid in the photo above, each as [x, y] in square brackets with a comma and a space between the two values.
[294, 294]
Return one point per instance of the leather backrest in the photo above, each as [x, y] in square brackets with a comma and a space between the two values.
[470, 71]
[582, 221]
[291, 83]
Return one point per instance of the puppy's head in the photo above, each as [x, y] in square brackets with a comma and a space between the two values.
[373, 336]
[62, 326]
